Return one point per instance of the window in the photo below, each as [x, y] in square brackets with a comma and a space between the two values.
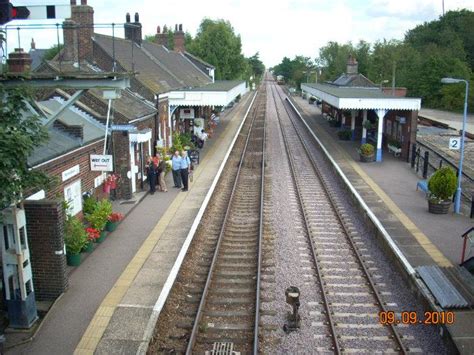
[73, 196]
[22, 237]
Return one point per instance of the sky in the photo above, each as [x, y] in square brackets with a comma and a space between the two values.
[275, 28]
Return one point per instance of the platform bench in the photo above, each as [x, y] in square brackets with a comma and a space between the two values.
[396, 151]
[422, 185]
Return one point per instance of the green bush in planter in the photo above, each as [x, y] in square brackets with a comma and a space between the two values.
[367, 149]
[89, 205]
[442, 184]
[344, 134]
[75, 237]
[98, 218]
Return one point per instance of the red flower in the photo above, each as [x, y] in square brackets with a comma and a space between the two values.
[115, 217]
[92, 234]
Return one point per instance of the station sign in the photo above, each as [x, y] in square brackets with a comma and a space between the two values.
[123, 127]
[101, 162]
[454, 143]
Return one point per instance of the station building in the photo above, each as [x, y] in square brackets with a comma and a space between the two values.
[381, 116]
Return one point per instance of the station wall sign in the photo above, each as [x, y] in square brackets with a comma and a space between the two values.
[124, 127]
[101, 162]
[454, 143]
[69, 173]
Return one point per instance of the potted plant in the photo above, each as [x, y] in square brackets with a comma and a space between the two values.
[75, 239]
[441, 188]
[98, 218]
[92, 236]
[367, 153]
[367, 125]
[344, 134]
[113, 221]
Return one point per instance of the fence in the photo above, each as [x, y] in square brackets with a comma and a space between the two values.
[426, 161]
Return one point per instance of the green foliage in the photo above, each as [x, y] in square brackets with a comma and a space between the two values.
[394, 143]
[344, 134]
[442, 184]
[300, 69]
[181, 140]
[367, 149]
[256, 67]
[217, 44]
[98, 218]
[75, 236]
[20, 133]
[53, 51]
[89, 205]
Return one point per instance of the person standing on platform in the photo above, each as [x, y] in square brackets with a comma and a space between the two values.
[185, 167]
[176, 168]
[151, 174]
[161, 175]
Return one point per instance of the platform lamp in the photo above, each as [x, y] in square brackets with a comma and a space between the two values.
[457, 200]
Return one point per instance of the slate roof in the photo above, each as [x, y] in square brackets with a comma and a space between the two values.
[224, 85]
[352, 92]
[58, 144]
[37, 56]
[153, 75]
[358, 80]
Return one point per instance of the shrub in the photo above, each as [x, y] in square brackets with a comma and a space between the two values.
[367, 149]
[89, 205]
[98, 218]
[442, 184]
[344, 134]
[75, 237]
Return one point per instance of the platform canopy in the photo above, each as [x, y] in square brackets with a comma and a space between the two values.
[360, 98]
[219, 93]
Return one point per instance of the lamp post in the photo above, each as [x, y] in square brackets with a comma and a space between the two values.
[457, 200]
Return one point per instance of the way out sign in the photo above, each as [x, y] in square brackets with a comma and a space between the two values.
[454, 143]
[101, 163]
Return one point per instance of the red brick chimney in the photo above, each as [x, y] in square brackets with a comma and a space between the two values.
[78, 32]
[33, 44]
[352, 66]
[19, 61]
[161, 38]
[179, 39]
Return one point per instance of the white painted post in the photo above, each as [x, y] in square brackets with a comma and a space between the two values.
[364, 130]
[343, 119]
[353, 123]
[380, 115]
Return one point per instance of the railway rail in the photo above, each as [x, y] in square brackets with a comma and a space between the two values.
[218, 291]
[350, 295]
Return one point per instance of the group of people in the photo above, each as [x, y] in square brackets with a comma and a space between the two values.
[156, 170]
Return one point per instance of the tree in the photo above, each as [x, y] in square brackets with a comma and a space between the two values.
[217, 44]
[20, 134]
[53, 51]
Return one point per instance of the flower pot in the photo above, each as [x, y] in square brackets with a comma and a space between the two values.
[88, 248]
[73, 260]
[103, 234]
[441, 207]
[367, 158]
[111, 226]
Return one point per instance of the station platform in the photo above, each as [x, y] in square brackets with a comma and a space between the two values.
[389, 190]
[108, 308]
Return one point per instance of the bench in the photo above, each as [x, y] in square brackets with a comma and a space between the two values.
[396, 151]
[422, 185]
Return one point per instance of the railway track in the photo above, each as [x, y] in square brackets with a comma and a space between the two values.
[214, 305]
[345, 317]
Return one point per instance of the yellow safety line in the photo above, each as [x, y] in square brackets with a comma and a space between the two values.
[94, 332]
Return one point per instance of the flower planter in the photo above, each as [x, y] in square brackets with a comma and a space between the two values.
[367, 158]
[436, 207]
[73, 260]
[89, 247]
[102, 237]
[111, 226]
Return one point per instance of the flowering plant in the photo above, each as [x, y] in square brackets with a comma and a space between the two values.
[92, 234]
[115, 217]
[112, 180]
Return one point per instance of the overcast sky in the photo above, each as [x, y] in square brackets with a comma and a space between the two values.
[275, 28]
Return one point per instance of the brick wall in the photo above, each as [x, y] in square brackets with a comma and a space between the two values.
[79, 157]
[121, 154]
[45, 229]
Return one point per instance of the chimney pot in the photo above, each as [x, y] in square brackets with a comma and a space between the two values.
[33, 44]
[137, 17]
[158, 29]
[127, 17]
[73, 2]
[176, 28]
[83, 2]
[19, 61]
[181, 27]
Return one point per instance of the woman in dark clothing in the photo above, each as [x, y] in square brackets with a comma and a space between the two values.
[151, 174]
